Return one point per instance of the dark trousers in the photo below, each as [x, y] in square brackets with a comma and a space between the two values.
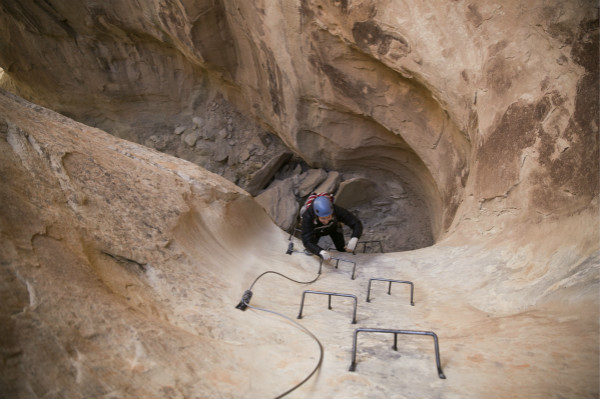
[337, 237]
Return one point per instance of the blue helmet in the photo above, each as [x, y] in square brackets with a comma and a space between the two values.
[322, 206]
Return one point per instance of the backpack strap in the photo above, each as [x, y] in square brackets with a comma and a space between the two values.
[312, 197]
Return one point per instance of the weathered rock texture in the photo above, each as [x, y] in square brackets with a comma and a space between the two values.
[476, 121]
[122, 266]
[432, 93]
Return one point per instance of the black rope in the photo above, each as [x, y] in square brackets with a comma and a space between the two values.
[306, 330]
[284, 276]
[244, 303]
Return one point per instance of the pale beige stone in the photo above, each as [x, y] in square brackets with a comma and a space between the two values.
[124, 265]
[280, 203]
[331, 183]
[309, 180]
[121, 266]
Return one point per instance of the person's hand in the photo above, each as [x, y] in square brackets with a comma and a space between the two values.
[324, 255]
[351, 244]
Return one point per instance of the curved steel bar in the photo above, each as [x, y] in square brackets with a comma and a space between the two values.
[396, 332]
[412, 288]
[347, 261]
[330, 294]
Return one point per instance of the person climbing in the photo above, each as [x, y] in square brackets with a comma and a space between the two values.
[322, 218]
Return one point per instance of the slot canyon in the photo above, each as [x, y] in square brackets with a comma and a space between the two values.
[154, 156]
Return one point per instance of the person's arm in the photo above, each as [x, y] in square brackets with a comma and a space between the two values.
[349, 220]
[308, 236]
[354, 223]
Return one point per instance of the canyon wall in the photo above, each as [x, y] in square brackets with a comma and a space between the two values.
[483, 106]
[482, 115]
[123, 269]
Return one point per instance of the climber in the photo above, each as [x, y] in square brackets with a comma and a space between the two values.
[323, 218]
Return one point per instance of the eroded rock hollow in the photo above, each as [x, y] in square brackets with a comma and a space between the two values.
[154, 156]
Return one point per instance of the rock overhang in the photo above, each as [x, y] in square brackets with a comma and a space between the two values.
[498, 133]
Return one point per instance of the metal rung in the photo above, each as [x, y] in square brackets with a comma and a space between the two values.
[337, 262]
[395, 347]
[371, 242]
[329, 294]
[412, 288]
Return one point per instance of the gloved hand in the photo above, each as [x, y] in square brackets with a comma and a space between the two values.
[351, 244]
[325, 255]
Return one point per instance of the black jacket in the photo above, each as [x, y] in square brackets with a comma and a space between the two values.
[313, 229]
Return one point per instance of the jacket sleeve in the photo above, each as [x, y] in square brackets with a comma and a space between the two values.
[309, 238]
[349, 220]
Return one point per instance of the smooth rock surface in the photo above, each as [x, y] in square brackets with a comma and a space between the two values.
[470, 106]
[121, 266]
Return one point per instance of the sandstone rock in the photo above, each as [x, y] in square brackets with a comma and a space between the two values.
[354, 192]
[190, 138]
[309, 180]
[204, 147]
[179, 129]
[222, 134]
[331, 183]
[361, 86]
[221, 153]
[486, 113]
[266, 173]
[280, 203]
[207, 133]
[244, 154]
[198, 122]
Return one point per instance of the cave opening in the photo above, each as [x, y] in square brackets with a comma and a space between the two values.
[387, 196]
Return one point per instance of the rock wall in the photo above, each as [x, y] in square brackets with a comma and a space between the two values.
[483, 106]
[95, 264]
[122, 268]
[478, 121]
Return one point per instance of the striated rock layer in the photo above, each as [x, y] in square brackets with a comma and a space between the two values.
[486, 105]
[122, 265]
[459, 101]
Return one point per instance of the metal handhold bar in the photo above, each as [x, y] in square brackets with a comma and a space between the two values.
[371, 242]
[337, 262]
[329, 294]
[395, 347]
[412, 288]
